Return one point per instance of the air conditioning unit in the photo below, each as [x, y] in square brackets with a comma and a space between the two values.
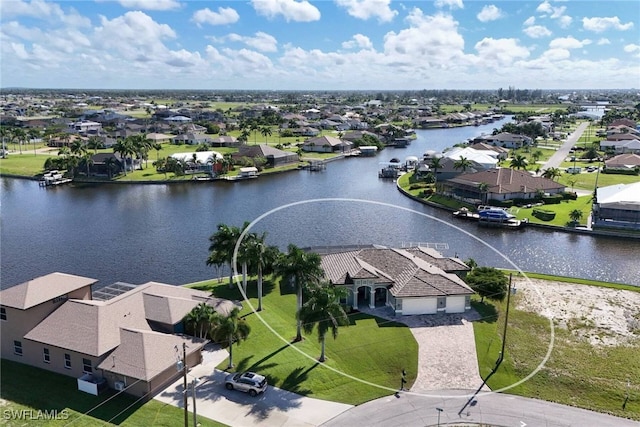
[119, 385]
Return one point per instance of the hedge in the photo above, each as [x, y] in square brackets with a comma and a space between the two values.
[544, 215]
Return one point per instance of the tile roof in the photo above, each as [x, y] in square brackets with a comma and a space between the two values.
[42, 289]
[505, 180]
[144, 354]
[415, 272]
[93, 327]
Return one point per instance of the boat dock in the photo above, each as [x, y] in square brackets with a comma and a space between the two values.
[53, 178]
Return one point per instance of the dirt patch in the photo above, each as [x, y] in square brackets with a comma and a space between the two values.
[603, 316]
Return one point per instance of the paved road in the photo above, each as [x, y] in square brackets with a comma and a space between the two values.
[493, 409]
[563, 152]
[275, 408]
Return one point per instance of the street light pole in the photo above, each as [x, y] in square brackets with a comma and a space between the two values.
[439, 411]
[185, 398]
[193, 395]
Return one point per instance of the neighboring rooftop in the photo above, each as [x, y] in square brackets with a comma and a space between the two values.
[42, 289]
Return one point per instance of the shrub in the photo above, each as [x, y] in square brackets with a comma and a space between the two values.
[501, 203]
[418, 185]
[543, 214]
[552, 200]
[568, 195]
[635, 171]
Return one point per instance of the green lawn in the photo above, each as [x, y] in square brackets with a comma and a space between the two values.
[28, 388]
[587, 180]
[562, 211]
[576, 374]
[369, 349]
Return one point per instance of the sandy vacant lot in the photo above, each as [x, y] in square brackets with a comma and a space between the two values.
[600, 315]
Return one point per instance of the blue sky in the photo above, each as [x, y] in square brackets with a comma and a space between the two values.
[320, 45]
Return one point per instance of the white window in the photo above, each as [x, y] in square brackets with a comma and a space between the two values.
[67, 361]
[46, 356]
[17, 348]
[86, 366]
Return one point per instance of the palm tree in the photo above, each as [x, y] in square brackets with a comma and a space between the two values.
[462, 164]
[552, 173]
[575, 216]
[18, 137]
[223, 244]
[323, 309]
[536, 155]
[88, 161]
[199, 318]
[436, 163]
[125, 147]
[265, 131]
[109, 162]
[303, 270]
[33, 135]
[483, 187]
[5, 133]
[255, 128]
[518, 162]
[261, 258]
[233, 327]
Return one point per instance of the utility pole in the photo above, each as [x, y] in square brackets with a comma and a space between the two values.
[193, 395]
[185, 397]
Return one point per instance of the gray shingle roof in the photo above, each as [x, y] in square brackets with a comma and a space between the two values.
[144, 354]
[42, 289]
[415, 272]
[93, 327]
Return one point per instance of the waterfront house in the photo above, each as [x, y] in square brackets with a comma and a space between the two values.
[501, 184]
[326, 144]
[410, 281]
[129, 342]
[506, 140]
[272, 155]
[623, 162]
[617, 206]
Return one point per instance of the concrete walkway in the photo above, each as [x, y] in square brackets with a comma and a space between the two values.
[563, 152]
[276, 407]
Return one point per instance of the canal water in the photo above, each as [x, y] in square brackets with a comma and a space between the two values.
[138, 233]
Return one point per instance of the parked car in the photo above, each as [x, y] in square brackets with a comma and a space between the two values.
[249, 382]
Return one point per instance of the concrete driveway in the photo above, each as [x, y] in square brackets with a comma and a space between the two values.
[446, 349]
[275, 407]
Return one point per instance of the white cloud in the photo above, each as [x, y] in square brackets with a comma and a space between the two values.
[501, 52]
[452, 4]
[565, 21]
[47, 11]
[603, 41]
[366, 9]
[358, 41]
[556, 54]
[530, 21]
[150, 4]
[34, 9]
[568, 43]
[490, 13]
[291, 10]
[600, 25]
[224, 16]
[548, 11]
[630, 48]
[429, 40]
[537, 31]
[261, 41]
[552, 12]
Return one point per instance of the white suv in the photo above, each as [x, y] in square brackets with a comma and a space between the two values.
[249, 382]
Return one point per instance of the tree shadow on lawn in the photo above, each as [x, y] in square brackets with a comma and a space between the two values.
[222, 290]
[487, 311]
[42, 390]
[356, 316]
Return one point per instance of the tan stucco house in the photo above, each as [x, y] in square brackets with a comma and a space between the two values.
[131, 342]
[411, 281]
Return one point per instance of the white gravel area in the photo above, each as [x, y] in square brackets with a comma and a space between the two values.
[603, 316]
